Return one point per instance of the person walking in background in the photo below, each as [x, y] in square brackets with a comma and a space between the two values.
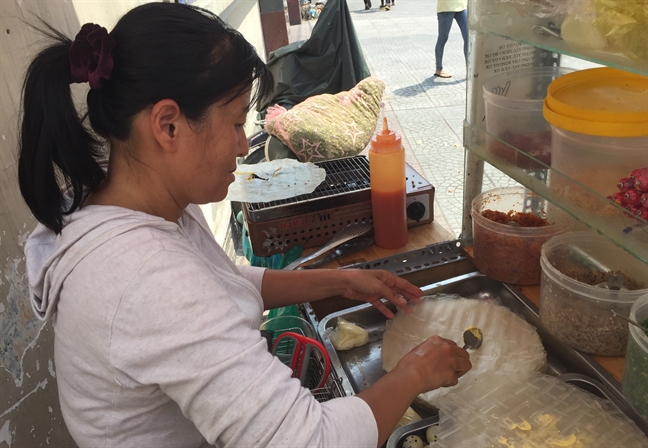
[447, 11]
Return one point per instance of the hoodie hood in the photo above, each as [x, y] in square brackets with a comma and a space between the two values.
[51, 258]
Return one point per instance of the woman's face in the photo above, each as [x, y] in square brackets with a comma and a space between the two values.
[220, 140]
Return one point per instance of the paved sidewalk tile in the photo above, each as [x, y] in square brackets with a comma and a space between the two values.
[399, 46]
[426, 110]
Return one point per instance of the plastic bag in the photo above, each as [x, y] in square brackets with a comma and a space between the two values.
[582, 9]
[540, 8]
[331, 126]
[625, 25]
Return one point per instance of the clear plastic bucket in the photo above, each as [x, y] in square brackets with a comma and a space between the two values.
[506, 252]
[635, 373]
[514, 102]
[594, 161]
[577, 312]
[599, 124]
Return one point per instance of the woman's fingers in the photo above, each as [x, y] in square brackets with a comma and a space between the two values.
[372, 285]
[382, 308]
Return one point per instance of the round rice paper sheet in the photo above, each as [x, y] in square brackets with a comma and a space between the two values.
[510, 343]
[275, 180]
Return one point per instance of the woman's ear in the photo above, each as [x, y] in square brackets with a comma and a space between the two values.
[166, 121]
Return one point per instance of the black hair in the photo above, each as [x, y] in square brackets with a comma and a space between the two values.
[162, 51]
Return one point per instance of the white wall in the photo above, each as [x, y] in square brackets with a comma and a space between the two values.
[29, 409]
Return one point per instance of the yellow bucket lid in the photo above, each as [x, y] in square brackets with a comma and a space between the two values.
[603, 102]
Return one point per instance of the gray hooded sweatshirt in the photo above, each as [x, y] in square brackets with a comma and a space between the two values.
[157, 341]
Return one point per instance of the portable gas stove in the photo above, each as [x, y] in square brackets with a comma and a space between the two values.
[342, 199]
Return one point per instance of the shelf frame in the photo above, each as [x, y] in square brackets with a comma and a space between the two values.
[594, 210]
[517, 50]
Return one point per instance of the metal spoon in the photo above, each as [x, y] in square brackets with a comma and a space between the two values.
[613, 283]
[628, 320]
[473, 338]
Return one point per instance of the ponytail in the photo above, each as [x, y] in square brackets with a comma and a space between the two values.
[55, 146]
[161, 50]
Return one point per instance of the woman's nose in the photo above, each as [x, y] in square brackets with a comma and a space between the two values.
[243, 147]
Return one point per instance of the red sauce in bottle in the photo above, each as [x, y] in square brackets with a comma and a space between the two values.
[387, 172]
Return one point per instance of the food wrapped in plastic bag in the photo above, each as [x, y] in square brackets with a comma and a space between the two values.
[328, 126]
[577, 29]
[625, 25]
[541, 8]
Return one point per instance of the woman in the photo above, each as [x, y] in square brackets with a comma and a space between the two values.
[447, 11]
[156, 331]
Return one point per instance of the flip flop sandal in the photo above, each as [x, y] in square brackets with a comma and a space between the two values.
[442, 74]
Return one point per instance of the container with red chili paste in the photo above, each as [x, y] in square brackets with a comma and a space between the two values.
[510, 225]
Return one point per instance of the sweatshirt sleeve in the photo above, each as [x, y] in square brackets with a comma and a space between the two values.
[183, 327]
[253, 274]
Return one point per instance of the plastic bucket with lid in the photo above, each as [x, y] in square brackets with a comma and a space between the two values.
[599, 122]
[572, 307]
[508, 252]
[514, 102]
[635, 373]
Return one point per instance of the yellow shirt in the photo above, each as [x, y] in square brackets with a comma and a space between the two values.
[451, 5]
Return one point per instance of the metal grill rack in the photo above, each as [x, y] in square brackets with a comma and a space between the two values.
[342, 199]
[343, 176]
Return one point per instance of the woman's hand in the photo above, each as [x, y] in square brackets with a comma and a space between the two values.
[436, 362]
[281, 288]
[369, 285]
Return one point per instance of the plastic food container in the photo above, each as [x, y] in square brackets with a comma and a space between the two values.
[578, 313]
[635, 374]
[599, 123]
[514, 102]
[509, 253]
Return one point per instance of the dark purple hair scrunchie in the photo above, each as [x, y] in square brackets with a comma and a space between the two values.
[91, 58]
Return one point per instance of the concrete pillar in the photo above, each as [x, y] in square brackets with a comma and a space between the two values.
[273, 23]
[294, 12]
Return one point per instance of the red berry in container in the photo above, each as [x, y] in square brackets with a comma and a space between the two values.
[643, 214]
[644, 200]
[639, 179]
[633, 211]
[617, 197]
[632, 197]
[625, 184]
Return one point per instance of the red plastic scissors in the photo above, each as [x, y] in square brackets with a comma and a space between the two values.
[309, 360]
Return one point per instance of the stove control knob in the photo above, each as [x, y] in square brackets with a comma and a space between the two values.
[415, 211]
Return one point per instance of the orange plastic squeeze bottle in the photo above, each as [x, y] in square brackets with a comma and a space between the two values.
[387, 174]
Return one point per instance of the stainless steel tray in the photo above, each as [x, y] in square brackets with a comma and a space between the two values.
[360, 367]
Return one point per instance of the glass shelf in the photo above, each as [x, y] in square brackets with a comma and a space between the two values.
[517, 22]
[584, 204]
